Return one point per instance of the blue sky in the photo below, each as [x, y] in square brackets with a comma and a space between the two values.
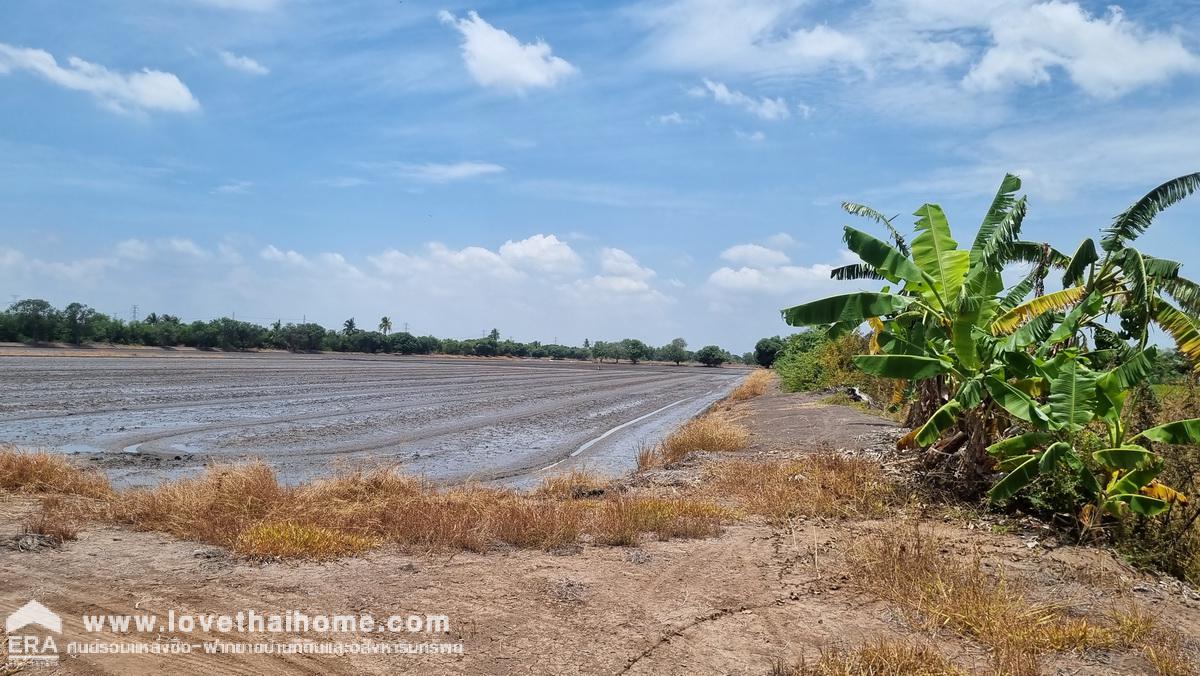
[558, 169]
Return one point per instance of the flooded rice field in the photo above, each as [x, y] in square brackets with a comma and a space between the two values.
[160, 415]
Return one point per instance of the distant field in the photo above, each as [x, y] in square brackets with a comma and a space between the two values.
[153, 416]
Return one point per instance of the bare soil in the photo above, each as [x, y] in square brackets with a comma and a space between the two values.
[147, 414]
[734, 604]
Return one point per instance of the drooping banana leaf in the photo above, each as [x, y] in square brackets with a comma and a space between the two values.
[962, 331]
[1133, 480]
[1185, 292]
[942, 419]
[855, 271]
[1137, 218]
[867, 212]
[1059, 300]
[1129, 456]
[1015, 480]
[1135, 277]
[1181, 327]
[1161, 269]
[1078, 315]
[1178, 432]
[851, 307]
[1084, 256]
[1035, 332]
[1016, 402]
[1137, 503]
[1018, 292]
[907, 366]
[1020, 444]
[1050, 458]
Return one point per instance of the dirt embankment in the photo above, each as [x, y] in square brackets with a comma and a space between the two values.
[759, 595]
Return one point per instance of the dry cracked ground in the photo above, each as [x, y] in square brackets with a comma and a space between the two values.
[756, 597]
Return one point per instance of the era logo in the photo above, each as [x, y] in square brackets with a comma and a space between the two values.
[28, 647]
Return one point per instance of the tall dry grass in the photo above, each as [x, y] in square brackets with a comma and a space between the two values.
[712, 432]
[874, 659]
[42, 472]
[754, 385]
[246, 509]
[910, 570]
[823, 485]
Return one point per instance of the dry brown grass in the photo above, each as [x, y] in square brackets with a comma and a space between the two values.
[874, 659]
[910, 570]
[822, 485]
[622, 520]
[712, 432]
[754, 385]
[574, 485]
[42, 472]
[246, 509]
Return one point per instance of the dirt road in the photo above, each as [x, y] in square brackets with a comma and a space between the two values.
[451, 419]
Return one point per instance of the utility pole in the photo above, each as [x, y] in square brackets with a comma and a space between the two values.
[406, 327]
[133, 314]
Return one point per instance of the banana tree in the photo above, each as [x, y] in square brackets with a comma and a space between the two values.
[993, 357]
[935, 314]
[1122, 477]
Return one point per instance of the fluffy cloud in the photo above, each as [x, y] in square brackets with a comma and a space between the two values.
[765, 108]
[754, 255]
[243, 63]
[546, 253]
[137, 92]
[234, 188]
[973, 45]
[497, 59]
[619, 263]
[1105, 56]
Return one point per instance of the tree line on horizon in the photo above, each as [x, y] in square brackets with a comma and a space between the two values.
[37, 321]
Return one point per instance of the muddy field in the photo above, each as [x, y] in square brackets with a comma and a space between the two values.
[144, 416]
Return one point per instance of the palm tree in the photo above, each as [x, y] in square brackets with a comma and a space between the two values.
[385, 325]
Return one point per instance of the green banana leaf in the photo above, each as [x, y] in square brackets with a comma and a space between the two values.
[850, 307]
[1015, 480]
[1073, 396]
[942, 419]
[911, 367]
[1016, 402]
[885, 259]
[1178, 432]
[1020, 444]
[1137, 503]
[1129, 456]
[936, 253]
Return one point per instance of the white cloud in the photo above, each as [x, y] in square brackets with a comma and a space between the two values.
[904, 46]
[671, 118]
[234, 188]
[541, 252]
[765, 108]
[136, 92]
[621, 263]
[133, 249]
[342, 182]
[497, 59]
[753, 36]
[433, 172]
[756, 136]
[754, 255]
[242, 63]
[271, 253]
[1105, 56]
[185, 246]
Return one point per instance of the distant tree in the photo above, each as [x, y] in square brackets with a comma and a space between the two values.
[77, 319]
[586, 344]
[675, 351]
[385, 325]
[635, 350]
[348, 327]
[766, 351]
[711, 355]
[750, 359]
[494, 334]
[35, 319]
